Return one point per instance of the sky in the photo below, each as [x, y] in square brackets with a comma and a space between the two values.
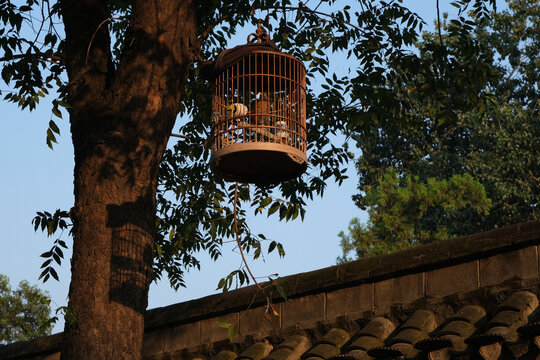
[35, 178]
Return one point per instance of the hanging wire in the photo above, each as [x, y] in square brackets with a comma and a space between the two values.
[268, 300]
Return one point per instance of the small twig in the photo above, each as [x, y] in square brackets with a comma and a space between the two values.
[301, 27]
[523, 57]
[94, 35]
[209, 29]
[181, 136]
[40, 26]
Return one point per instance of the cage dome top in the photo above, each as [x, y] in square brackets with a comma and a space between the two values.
[259, 42]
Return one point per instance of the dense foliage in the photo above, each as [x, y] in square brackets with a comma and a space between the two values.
[24, 312]
[406, 212]
[469, 107]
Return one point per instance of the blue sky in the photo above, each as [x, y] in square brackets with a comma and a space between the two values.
[34, 178]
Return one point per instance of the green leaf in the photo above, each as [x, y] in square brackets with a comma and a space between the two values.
[54, 127]
[231, 332]
[56, 112]
[224, 324]
[275, 206]
[272, 246]
[54, 274]
[63, 104]
[281, 251]
[266, 201]
[46, 263]
[282, 212]
[50, 138]
[281, 292]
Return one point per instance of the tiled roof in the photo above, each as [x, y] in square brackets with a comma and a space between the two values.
[510, 331]
[474, 297]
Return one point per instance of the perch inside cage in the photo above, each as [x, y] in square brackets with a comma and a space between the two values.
[258, 113]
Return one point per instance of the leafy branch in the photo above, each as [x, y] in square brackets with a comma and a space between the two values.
[50, 223]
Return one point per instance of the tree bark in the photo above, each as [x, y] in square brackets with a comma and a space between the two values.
[121, 118]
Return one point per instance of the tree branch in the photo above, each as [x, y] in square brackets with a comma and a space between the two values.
[181, 136]
[306, 9]
[439, 23]
[209, 29]
[49, 57]
[303, 8]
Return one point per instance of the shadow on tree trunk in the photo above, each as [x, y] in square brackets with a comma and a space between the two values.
[132, 255]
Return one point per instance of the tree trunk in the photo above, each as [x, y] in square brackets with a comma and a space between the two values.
[121, 118]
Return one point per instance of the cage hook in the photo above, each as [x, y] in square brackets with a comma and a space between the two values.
[259, 35]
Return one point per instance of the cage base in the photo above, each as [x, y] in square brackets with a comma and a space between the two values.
[268, 165]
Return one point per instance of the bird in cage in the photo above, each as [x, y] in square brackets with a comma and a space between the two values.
[268, 128]
[230, 135]
[282, 132]
[262, 109]
[236, 110]
[262, 118]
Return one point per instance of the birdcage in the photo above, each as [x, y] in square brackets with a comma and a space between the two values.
[258, 113]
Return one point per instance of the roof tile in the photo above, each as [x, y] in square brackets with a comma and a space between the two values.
[523, 301]
[365, 343]
[378, 328]
[256, 351]
[329, 345]
[290, 349]
[370, 336]
[509, 316]
[469, 313]
[456, 329]
[490, 351]
[225, 355]
[423, 320]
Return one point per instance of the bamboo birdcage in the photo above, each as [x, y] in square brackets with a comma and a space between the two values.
[258, 113]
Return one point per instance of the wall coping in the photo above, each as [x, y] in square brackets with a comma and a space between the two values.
[422, 258]
[41, 346]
